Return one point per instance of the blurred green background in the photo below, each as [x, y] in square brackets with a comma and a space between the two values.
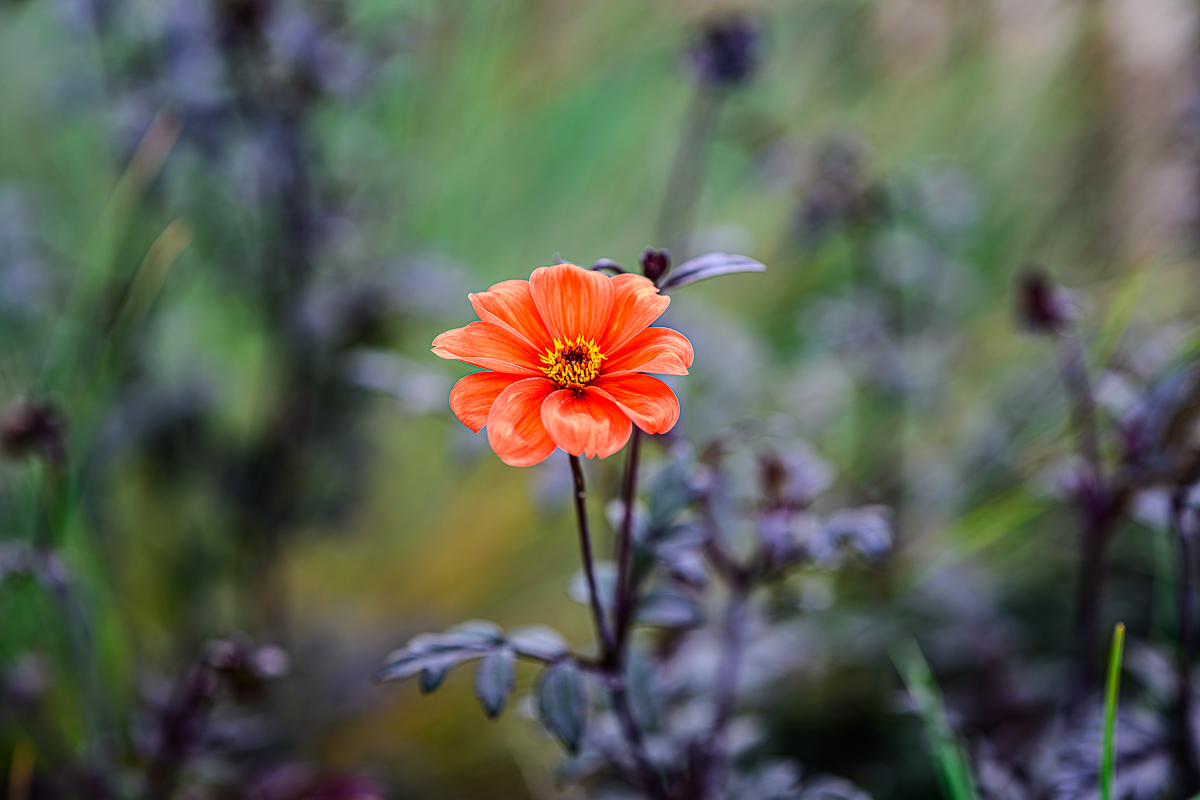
[258, 434]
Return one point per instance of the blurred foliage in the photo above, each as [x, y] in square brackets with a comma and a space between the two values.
[229, 230]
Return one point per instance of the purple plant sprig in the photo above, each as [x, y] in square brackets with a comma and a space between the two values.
[1151, 453]
[1183, 738]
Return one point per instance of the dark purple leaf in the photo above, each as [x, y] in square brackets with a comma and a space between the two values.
[440, 651]
[494, 681]
[431, 679]
[562, 704]
[538, 642]
[667, 609]
[710, 265]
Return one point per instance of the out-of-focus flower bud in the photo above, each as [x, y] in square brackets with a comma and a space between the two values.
[1043, 306]
[869, 208]
[840, 195]
[655, 263]
[245, 666]
[33, 428]
[728, 51]
[793, 480]
[242, 23]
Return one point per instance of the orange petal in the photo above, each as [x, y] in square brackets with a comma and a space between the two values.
[472, 397]
[659, 350]
[573, 301]
[509, 304]
[488, 346]
[585, 423]
[636, 303]
[514, 425]
[649, 402]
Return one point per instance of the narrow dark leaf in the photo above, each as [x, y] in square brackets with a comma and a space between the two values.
[667, 609]
[494, 681]
[710, 265]
[562, 704]
[431, 679]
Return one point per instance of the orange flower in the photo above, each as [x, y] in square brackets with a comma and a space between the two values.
[566, 350]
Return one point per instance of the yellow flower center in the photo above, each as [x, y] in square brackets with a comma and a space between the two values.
[572, 365]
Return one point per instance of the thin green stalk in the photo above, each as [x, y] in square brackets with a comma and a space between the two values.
[1110, 711]
[949, 757]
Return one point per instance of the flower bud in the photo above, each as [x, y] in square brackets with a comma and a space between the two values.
[1043, 306]
[728, 51]
[244, 666]
[655, 263]
[32, 427]
[242, 23]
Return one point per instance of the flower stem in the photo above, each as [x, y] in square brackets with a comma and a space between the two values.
[649, 776]
[1073, 365]
[677, 218]
[589, 565]
[624, 588]
[611, 668]
[725, 690]
[1096, 507]
[1184, 745]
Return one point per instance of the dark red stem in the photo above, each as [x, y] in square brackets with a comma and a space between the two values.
[589, 562]
[624, 588]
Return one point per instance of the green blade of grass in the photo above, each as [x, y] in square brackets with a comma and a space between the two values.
[949, 757]
[1110, 711]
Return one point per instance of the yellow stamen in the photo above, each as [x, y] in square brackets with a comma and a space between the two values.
[572, 365]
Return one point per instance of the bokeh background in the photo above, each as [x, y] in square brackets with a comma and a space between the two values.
[229, 230]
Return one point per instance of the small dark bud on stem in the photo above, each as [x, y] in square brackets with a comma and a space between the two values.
[33, 428]
[655, 263]
[245, 666]
[727, 54]
[773, 474]
[1043, 305]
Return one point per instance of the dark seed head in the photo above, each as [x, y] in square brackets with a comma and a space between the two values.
[728, 51]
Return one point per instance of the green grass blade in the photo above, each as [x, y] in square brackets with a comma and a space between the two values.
[949, 757]
[1110, 711]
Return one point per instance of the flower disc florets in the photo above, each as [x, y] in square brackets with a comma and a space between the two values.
[573, 364]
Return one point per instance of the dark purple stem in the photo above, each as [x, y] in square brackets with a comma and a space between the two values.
[589, 566]
[624, 587]
[650, 779]
[181, 728]
[1184, 744]
[725, 691]
[1098, 509]
[1073, 364]
[615, 680]
[741, 581]
[1090, 592]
